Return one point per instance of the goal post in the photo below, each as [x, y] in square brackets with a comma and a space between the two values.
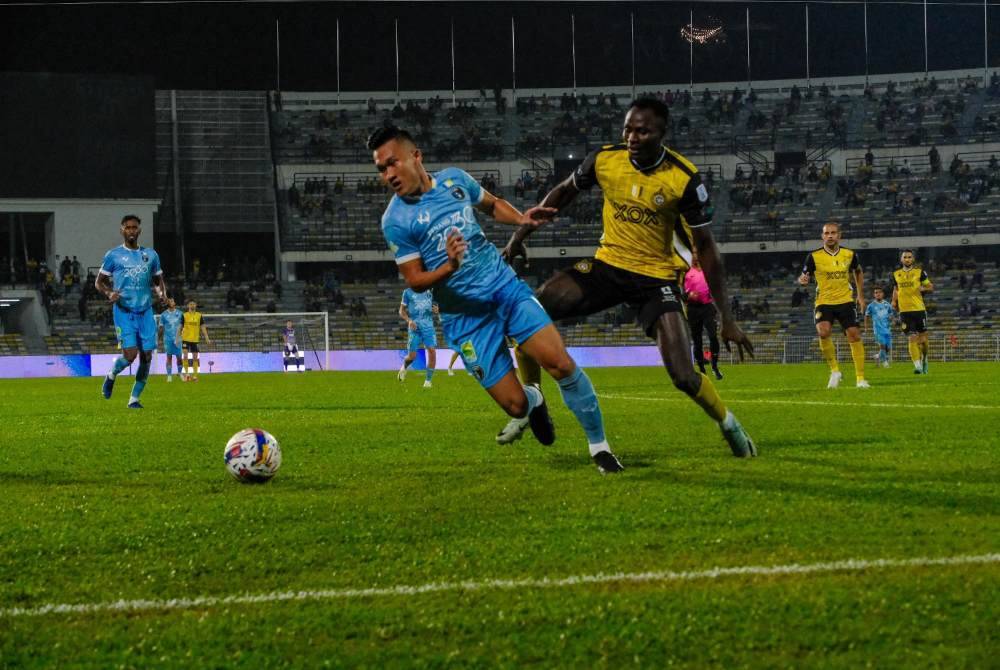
[261, 332]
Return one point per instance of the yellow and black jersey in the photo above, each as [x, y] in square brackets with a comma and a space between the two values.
[648, 214]
[907, 283]
[833, 272]
[191, 332]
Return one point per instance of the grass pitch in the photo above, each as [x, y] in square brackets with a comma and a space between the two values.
[390, 485]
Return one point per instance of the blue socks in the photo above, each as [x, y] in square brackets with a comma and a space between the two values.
[119, 365]
[170, 368]
[141, 375]
[578, 394]
[430, 372]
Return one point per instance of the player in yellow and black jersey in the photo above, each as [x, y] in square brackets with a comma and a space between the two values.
[833, 267]
[909, 284]
[656, 212]
[191, 333]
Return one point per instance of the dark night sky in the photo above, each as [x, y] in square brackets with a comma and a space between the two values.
[211, 45]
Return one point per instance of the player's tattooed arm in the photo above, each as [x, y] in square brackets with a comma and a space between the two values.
[104, 287]
[715, 275]
[160, 288]
[418, 278]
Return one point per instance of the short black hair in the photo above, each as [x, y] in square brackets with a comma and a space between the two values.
[131, 217]
[906, 251]
[657, 107]
[878, 287]
[385, 134]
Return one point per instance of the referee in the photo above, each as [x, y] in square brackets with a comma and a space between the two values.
[701, 314]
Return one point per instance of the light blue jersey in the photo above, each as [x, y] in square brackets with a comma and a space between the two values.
[880, 312]
[132, 272]
[171, 320]
[420, 307]
[483, 302]
[418, 228]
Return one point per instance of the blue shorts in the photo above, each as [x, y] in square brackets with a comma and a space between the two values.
[883, 338]
[135, 329]
[423, 337]
[171, 348]
[481, 339]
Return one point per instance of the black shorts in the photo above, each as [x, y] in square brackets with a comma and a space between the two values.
[606, 286]
[845, 314]
[191, 347]
[914, 323]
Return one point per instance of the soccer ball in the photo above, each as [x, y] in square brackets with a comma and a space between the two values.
[252, 455]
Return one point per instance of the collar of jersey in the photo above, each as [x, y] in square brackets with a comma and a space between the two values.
[411, 200]
[658, 163]
[829, 254]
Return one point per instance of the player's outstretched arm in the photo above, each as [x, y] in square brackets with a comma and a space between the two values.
[558, 198]
[418, 278]
[504, 212]
[715, 275]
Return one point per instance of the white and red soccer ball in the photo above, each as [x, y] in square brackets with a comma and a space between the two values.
[252, 455]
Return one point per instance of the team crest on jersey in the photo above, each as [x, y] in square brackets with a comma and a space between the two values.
[702, 193]
[469, 352]
[583, 266]
[145, 258]
[659, 199]
[458, 193]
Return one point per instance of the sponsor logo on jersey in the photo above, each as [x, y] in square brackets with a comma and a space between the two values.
[633, 214]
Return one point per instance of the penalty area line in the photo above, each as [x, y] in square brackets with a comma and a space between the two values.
[666, 576]
[823, 403]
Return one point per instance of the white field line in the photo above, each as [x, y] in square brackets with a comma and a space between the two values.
[667, 576]
[822, 403]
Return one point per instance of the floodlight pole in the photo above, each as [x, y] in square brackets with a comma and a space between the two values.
[808, 82]
[572, 32]
[631, 18]
[749, 77]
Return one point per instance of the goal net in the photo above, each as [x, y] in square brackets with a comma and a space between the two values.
[264, 333]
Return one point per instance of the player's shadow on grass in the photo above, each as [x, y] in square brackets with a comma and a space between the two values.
[575, 462]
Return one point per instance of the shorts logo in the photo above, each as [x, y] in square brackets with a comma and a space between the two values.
[479, 373]
[469, 352]
[667, 294]
[458, 194]
[583, 266]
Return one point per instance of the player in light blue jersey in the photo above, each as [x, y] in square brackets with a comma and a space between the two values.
[881, 313]
[128, 277]
[431, 228]
[418, 310]
[171, 320]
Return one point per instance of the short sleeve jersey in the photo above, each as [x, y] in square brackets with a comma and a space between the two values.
[880, 312]
[833, 273]
[132, 272]
[907, 283]
[648, 214]
[418, 228]
[289, 334]
[192, 327]
[171, 321]
[420, 306]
